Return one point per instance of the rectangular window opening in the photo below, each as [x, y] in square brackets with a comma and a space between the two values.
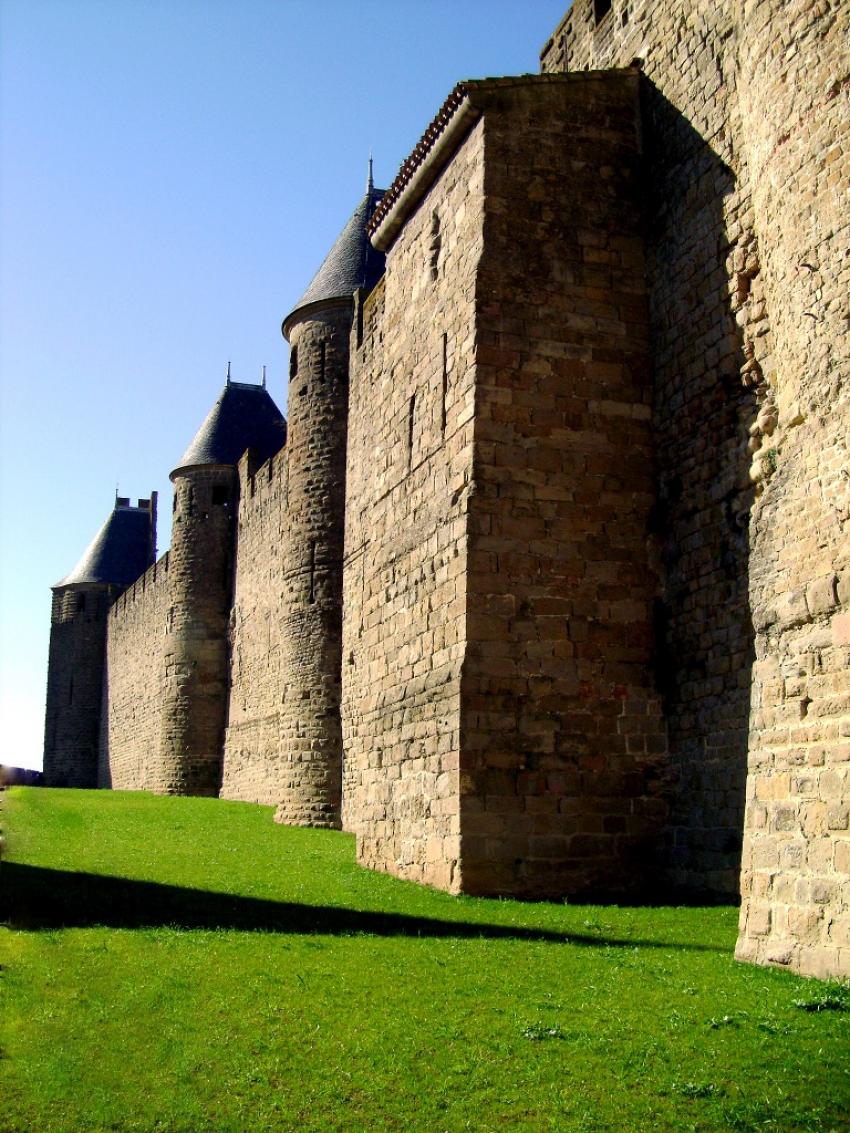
[601, 8]
[293, 362]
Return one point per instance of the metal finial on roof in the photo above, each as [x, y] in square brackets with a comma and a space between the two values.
[370, 184]
[228, 372]
[264, 377]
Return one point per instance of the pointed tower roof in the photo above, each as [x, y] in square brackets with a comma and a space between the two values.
[122, 550]
[351, 263]
[243, 417]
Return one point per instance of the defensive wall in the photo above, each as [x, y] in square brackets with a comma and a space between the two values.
[133, 705]
[746, 126]
[502, 729]
[252, 738]
[549, 591]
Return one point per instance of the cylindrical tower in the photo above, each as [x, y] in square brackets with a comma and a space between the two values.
[201, 577]
[319, 333]
[120, 552]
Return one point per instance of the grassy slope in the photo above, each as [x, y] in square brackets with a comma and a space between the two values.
[244, 976]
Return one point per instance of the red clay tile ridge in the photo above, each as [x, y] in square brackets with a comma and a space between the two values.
[434, 150]
[419, 170]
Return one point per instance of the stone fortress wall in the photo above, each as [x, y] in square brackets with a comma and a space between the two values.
[746, 121]
[511, 705]
[700, 240]
[548, 592]
[133, 704]
[406, 539]
[251, 768]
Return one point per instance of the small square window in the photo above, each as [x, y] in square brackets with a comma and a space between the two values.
[601, 8]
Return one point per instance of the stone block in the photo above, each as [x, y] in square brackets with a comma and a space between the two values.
[821, 595]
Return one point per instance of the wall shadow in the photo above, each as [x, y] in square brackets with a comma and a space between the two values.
[706, 397]
[35, 899]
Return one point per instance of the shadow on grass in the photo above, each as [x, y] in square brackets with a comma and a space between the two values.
[34, 899]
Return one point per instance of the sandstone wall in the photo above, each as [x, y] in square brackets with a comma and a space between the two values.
[710, 347]
[138, 626]
[794, 89]
[563, 746]
[745, 116]
[408, 484]
[74, 680]
[251, 769]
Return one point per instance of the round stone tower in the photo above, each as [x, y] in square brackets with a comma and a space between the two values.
[120, 552]
[318, 330]
[201, 578]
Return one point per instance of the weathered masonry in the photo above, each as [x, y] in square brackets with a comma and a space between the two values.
[547, 590]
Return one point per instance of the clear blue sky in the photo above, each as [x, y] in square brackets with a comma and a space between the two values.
[172, 173]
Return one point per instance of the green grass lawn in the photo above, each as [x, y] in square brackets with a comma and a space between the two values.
[186, 965]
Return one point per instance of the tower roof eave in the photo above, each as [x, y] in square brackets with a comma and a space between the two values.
[351, 263]
[244, 416]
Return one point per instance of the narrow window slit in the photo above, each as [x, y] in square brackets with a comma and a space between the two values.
[411, 414]
[444, 411]
[312, 595]
[435, 245]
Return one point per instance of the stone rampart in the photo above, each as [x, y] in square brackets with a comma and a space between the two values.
[252, 739]
[137, 628]
[555, 595]
[710, 344]
[745, 112]
[408, 483]
[795, 109]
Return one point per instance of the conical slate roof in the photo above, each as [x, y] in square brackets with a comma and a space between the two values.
[120, 552]
[243, 417]
[351, 263]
